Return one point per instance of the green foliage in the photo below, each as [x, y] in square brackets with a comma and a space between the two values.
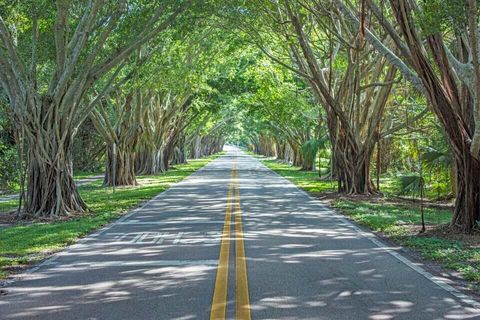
[9, 168]
[9, 172]
[437, 159]
[441, 15]
[411, 184]
[88, 150]
[273, 102]
[310, 148]
[454, 255]
[392, 219]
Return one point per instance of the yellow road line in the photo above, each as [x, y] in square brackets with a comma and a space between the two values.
[219, 302]
[242, 303]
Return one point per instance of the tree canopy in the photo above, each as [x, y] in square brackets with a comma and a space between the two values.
[358, 90]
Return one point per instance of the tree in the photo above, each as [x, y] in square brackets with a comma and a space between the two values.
[288, 113]
[350, 80]
[435, 49]
[118, 120]
[49, 88]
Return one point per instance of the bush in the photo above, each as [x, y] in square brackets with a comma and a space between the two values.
[88, 149]
[9, 173]
[9, 169]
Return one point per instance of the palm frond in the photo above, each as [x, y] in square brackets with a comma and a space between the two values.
[411, 183]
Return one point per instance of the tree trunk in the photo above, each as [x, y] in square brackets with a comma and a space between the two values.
[308, 163]
[179, 151]
[179, 156]
[267, 146]
[149, 162]
[297, 156]
[386, 154]
[280, 150]
[353, 170]
[196, 151]
[309, 157]
[166, 156]
[124, 164]
[467, 204]
[450, 100]
[51, 190]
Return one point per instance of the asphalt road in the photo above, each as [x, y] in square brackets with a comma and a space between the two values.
[233, 239]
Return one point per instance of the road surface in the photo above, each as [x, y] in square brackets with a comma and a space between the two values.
[234, 240]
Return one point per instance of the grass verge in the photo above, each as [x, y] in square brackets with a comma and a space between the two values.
[85, 174]
[398, 222]
[9, 205]
[22, 245]
[12, 204]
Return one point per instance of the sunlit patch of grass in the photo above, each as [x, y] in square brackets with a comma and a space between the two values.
[453, 254]
[383, 216]
[6, 206]
[307, 180]
[391, 186]
[85, 175]
[22, 244]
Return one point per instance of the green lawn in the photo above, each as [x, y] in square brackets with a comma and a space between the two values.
[84, 175]
[12, 205]
[391, 186]
[307, 180]
[392, 219]
[24, 244]
[8, 205]
[399, 222]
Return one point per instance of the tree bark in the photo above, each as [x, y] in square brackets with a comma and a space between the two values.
[297, 156]
[123, 162]
[280, 146]
[196, 150]
[179, 156]
[51, 190]
[467, 203]
[353, 171]
[149, 162]
[453, 177]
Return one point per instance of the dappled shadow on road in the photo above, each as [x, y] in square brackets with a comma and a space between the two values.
[306, 263]
[160, 263]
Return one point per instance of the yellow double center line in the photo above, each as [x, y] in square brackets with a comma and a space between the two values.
[242, 300]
